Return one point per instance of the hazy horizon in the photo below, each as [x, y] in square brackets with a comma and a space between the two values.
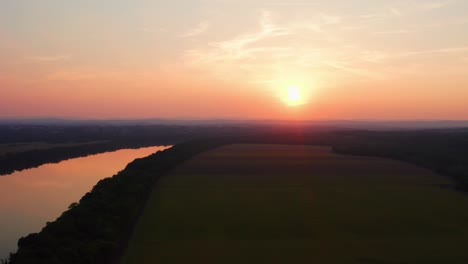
[317, 123]
[225, 59]
[60, 118]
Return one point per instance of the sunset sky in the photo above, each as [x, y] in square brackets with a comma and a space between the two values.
[359, 59]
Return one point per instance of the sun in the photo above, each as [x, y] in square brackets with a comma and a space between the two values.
[294, 96]
[294, 90]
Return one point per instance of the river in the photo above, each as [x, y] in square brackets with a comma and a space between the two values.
[30, 198]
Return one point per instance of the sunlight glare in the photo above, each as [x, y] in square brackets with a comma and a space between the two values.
[294, 89]
[294, 94]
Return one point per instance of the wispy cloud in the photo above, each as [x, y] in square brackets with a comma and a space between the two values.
[353, 69]
[373, 15]
[151, 30]
[238, 47]
[374, 56]
[245, 52]
[446, 23]
[53, 58]
[393, 32]
[378, 56]
[353, 27]
[275, 48]
[437, 4]
[201, 28]
[70, 76]
[330, 19]
[435, 51]
[317, 43]
[291, 3]
[396, 11]
[388, 13]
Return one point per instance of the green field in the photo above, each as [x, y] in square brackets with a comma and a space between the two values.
[300, 204]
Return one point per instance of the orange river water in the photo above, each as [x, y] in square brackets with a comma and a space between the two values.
[30, 198]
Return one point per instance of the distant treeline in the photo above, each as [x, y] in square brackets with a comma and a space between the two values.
[95, 229]
[98, 138]
[87, 133]
[442, 151]
[109, 138]
[34, 158]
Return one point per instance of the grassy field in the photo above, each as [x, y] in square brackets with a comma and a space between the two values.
[300, 204]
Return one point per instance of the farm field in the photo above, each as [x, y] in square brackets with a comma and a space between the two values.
[300, 204]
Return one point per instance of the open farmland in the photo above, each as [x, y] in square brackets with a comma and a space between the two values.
[300, 204]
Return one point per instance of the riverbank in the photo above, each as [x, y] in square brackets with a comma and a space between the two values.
[93, 230]
[31, 198]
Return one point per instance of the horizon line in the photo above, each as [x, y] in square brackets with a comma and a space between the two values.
[233, 119]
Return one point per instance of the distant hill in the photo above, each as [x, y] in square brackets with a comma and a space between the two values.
[351, 124]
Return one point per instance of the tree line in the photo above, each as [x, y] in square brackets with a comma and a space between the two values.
[95, 229]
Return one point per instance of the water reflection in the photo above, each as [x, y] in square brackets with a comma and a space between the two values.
[30, 198]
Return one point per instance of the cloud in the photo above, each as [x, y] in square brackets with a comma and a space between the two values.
[446, 23]
[54, 58]
[238, 47]
[96, 74]
[393, 32]
[437, 5]
[374, 56]
[248, 45]
[273, 50]
[151, 30]
[396, 11]
[291, 3]
[355, 70]
[386, 14]
[70, 76]
[245, 53]
[377, 56]
[201, 28]
[313, 27]
[354, 27]
[270, 29]
[314, 44]
[330, 19]
[373, 16]
[435, 51]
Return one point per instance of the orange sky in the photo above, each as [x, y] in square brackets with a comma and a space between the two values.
[234, 59]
